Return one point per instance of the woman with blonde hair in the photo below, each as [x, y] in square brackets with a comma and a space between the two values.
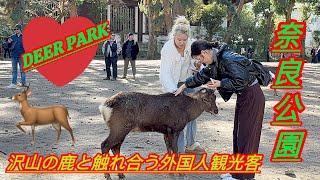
[176, 66]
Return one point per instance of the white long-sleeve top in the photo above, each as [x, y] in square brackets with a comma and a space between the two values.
[172, 64]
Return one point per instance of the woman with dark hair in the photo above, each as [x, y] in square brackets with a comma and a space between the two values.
[231, 73]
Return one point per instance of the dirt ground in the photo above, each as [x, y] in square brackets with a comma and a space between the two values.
[83, 96]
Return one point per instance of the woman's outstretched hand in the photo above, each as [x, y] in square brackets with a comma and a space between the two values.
[213, 84]
[180, 90]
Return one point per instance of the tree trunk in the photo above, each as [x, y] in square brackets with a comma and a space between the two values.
[152, 44]
[167, 15]
[229, 18]
[269, 24]
[289, 10]
[62, 12]
[73, 8]
[229, 33]
[177, 9]
[269, 27]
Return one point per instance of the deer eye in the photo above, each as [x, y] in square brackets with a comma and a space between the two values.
[19, 94]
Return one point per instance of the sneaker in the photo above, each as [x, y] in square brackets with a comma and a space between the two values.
[11, 86]
[195, 149]
[113, 79]
[222, 176]
[22, 85]
[229, 178]
[123, 77]
[107, 78]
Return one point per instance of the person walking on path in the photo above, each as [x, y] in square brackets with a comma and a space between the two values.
[130, 50]
[318, 56]
[6, 47]
[17, 50]
[110, 52]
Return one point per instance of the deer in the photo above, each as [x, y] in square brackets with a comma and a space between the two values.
[164, 113]
[34, 116]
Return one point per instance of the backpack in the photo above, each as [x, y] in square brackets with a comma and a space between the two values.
[260, 72]
[254, 67]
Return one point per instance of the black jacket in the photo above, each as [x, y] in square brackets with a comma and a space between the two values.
[231, 69]
[134, 50]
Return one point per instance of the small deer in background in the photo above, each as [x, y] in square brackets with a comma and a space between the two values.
[34, 116]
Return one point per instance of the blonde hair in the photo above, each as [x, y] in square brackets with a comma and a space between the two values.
[181, 26]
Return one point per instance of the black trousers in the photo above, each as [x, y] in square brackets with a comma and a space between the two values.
[7, 51]
[248, 123]
[111, 61]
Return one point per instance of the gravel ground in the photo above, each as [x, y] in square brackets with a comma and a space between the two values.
[83, 96]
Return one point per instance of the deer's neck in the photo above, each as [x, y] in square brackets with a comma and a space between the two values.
[196, 109]
[24, 105]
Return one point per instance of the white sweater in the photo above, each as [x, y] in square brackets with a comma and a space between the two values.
[171, 64]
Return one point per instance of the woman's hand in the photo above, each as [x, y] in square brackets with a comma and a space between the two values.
[180, 90]
[213, 84]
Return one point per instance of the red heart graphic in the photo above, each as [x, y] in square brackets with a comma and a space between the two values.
[42, 31]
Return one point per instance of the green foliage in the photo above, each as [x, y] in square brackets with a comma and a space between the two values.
[263, 10]
[245, 27]
[90, 9]
[6, 27]
[16, 10]
[210, 16]
[261, 6]
[281, 6]
[309, 7]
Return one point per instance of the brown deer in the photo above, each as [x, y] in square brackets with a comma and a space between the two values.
[34, 116]
[164, 113]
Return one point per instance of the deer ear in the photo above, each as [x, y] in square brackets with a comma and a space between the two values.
[28, 92]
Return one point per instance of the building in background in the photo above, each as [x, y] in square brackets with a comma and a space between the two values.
[125, 17]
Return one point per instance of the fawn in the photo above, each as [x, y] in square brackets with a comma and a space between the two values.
[34, 116]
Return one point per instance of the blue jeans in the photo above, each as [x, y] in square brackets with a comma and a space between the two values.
[111, 61]
[15, 62]
[191, 130]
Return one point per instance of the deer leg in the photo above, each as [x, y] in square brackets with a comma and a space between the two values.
[33, 138]
[19, 126]
[116, 150]
[114, 142]
[57, 126]
[175, 137]
[174, 143]
[23, 123]
[168, 144]
[105, 147]
[66, 125]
